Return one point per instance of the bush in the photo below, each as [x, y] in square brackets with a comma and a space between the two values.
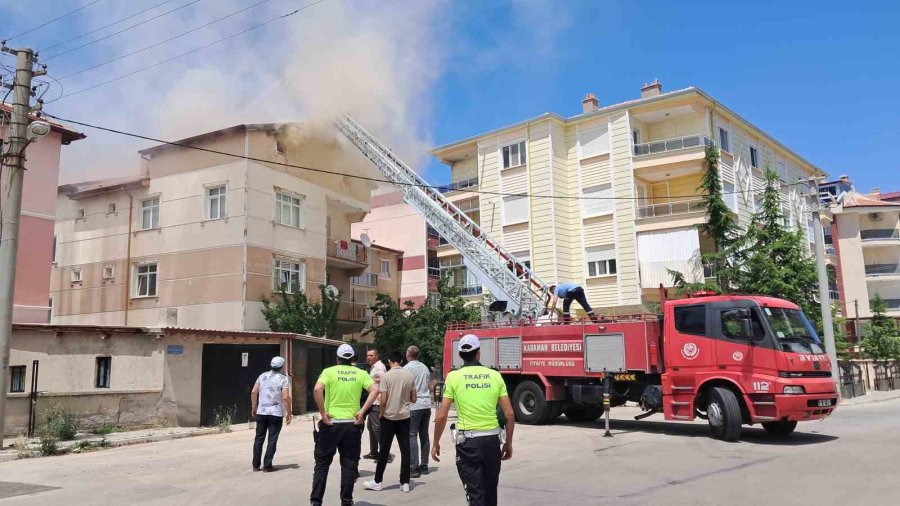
[223, 417]
[59, 423]
[47, 445]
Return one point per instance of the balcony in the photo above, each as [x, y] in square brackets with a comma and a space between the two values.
[352, 312]
[671, 145]
[670, 209]
[469, 290]
[366, 279]
[874, 270]
[346, 254]
[880, 234]
[458, 185]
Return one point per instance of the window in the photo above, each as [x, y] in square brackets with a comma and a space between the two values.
[524, 257]
[598, 200]
[109, 271]
[601, 261]
[17, 379]
[145, 280]
[386, 269]
[288, 210]
[515, 210]
[150, 213]
[514, 155]
[635, 137]
[754, 157]
[731, 324]
[76, 274]
[290, 276]
[723, 140]
[50, 310]
[104, 364]
[594, 141]
[730, 195]
[79, 215]
[111, 208]
[280, 147]
[691, 319]
[215, 202]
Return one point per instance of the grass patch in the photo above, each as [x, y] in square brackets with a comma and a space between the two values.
[59, 423]
[104, 430]
[223, 418]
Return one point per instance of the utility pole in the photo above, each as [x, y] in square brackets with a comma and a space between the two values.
[824, 297]
[14, 172]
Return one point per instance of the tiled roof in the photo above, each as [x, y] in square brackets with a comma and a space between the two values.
[855, 199]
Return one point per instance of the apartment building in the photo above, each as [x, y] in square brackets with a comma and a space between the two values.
[863, 241]
[200, 238]
[36, 220]
[612, 193]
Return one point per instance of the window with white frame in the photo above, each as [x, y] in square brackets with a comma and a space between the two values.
[522, 256]
[724, 143]
[109, 271]
[386, 269]
[597, 201]
[288, 209]
[515, 210]
[289, 275]
[754, 157]
[145, 279]
[594, 141]
[601, 261]
[215, 202]
[76, 274]
[150, 213]
[635, 137]
[513, 155]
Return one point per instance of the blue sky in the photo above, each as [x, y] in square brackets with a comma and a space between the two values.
[822, 77]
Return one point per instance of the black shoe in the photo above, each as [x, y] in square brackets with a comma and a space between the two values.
[268, 469]
[256, 469]
[370, 456]
[424, 470]
[414, 473]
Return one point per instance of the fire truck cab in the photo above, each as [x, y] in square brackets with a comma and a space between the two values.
[732, 360]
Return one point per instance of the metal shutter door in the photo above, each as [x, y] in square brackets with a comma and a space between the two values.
[509, 353]
[488, 357]
[454, 349]
[604, 352]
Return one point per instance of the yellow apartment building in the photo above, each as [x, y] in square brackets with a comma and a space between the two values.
[612, 193]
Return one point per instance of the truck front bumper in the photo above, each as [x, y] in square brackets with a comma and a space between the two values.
[797, 407]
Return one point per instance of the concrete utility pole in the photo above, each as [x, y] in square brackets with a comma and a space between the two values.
[824, 297]
[14, 172]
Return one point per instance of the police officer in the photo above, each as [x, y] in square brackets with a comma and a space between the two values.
[477, 391]
[337, 394]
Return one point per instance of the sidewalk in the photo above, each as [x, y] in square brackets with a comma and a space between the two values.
[872, 396]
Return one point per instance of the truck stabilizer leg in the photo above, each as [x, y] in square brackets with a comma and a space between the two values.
[606, 403]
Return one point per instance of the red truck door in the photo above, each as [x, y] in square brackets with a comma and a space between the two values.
[739, 355]
[688, 351]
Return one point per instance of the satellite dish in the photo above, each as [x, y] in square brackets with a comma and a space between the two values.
[365, 239]
[332, 290]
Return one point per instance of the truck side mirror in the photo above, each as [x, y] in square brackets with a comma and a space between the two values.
[746, 329]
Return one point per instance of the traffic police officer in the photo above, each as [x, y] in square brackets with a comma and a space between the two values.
[477, 391]
[337, 394]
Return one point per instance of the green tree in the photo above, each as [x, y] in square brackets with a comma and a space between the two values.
[296, 313]
[424, 326]
[882, 343]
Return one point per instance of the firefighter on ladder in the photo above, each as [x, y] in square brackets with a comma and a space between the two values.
[569, 292]
[482, 437]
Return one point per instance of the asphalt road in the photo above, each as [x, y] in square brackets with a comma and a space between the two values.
[850, 458]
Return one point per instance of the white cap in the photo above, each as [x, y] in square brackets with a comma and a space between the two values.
[346, 351]
[469, 342]
[277, 362]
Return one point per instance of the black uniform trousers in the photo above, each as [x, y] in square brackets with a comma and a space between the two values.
[345, 438]
[391, 429]
[478, 463]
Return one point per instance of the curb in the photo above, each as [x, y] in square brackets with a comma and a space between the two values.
[863, 401]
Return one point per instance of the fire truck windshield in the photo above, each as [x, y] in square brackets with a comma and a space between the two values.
[793, 330]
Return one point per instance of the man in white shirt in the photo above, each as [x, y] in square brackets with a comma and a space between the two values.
[270, 402]
[420, 413]
[373, 423]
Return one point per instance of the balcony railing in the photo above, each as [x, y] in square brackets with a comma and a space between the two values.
[365, 279]
[879, 234]
[346, 250]
[434, 272]
[469, 290]
[670, 208]
[883, 269]
[351, 311]
[675, 144]
[829, 250]
[458, 185]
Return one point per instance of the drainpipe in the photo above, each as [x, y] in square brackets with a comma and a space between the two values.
[128, 254]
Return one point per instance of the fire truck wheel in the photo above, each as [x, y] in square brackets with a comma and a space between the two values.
[584, 413]
[780, 428]
[724, 414]
[530, 404]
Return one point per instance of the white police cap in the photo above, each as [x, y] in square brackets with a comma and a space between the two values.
[346, 351]
[469, 342]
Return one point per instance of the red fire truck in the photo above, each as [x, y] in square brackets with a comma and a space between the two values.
[731, 360]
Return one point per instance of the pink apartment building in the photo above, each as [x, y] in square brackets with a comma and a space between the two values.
[36, 240]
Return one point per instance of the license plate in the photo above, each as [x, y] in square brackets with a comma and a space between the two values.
[824, 403]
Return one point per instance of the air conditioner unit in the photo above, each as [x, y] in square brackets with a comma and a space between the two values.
[875, 216]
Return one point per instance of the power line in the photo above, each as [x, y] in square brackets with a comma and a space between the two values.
[52, 20]
[76, 48]
[104, 26]
[170, 39]
[148, 67]
[374, 179]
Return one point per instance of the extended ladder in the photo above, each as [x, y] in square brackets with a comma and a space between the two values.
[503, 274]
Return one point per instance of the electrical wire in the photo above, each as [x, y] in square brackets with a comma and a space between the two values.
[26, 32]
[62, 89]
[148, 67]
[170, 39]
[378, 180]
[76, 48]
[104, 26]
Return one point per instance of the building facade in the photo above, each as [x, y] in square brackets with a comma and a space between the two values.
[200, 238]
[609, 198]
[31, 302]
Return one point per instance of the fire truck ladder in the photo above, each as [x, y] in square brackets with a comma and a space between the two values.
[505, 276]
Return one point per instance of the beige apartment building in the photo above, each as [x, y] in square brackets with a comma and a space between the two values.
[199, 239]
[612, 193]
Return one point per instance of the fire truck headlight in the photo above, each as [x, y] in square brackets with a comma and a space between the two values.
[794, 390]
